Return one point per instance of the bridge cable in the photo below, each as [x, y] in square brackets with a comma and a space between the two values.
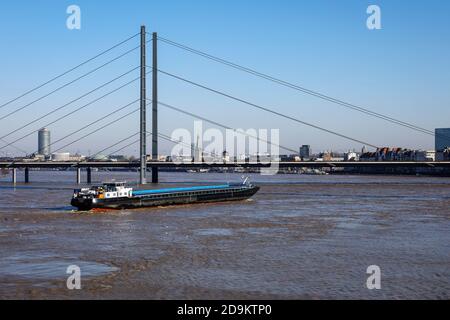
[68, 71]
[110, 146]
[119, 142]
[168, 138]
[222, 125]
[299, 88]
[78, 98]
[161, 135]
[92, 123]
[96, 130]
[66, 84]
[267, 109]
[72, 112]
[15, 147]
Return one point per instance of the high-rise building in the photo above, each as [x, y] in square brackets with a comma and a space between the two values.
[305, 151]
[44, 142]
[441, 138]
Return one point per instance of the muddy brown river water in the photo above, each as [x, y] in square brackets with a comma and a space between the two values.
[299, 237]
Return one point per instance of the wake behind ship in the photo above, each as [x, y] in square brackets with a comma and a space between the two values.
[116, 195]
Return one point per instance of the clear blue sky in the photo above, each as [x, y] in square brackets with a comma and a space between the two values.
[402, 70]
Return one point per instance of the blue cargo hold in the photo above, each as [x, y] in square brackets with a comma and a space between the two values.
[186, 189]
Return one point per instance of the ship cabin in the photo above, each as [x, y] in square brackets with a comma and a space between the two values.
[110, 190]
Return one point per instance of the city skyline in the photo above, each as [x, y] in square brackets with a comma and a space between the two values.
[200, 152]
[383, 70]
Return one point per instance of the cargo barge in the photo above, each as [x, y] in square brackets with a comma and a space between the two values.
[116, 195]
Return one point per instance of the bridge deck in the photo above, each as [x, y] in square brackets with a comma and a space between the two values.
[308, 164]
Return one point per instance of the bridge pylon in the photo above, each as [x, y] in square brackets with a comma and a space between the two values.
[155, 108]
[143, 124]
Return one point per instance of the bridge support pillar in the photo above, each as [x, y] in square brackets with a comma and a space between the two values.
[78, 175]
[89, 175]
[14, 175]
[27, 175]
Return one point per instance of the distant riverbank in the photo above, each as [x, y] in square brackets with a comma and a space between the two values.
[401, 171]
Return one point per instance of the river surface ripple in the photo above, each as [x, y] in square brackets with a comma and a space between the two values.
[299, 237]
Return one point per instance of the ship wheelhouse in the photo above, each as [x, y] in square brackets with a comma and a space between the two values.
[115, 190]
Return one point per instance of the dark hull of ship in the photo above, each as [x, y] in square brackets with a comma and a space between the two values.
[163, 200]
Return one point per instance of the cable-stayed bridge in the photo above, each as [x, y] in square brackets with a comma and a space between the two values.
[22, 130]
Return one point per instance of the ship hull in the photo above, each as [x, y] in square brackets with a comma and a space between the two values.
[166, 200]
